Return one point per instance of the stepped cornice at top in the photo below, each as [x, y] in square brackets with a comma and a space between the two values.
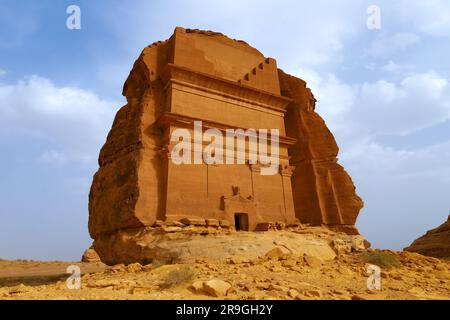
[236, 90]
[206, 53]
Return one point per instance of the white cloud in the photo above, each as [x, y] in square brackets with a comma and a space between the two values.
[370, 158]
[431, 17]
[71, 120]
[415, 102]
[52, 157]
[418, 101]
[391, 66]
[405, 192]
[384, 45]
[2, 72]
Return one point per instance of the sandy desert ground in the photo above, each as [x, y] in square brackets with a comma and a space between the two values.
[275, 275]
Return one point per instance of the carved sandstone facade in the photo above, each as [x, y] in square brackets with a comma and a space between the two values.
[202, 75]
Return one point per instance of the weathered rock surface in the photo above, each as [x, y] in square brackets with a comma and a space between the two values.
[90, 255]
[188, 244]
[203, 75]
[435, 243]
[216, 287]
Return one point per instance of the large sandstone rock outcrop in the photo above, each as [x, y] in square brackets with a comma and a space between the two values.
[225, 83]
[435, 243]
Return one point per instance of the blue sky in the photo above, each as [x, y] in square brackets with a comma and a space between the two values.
[384, 93]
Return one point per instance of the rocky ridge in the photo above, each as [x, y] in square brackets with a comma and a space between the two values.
[435, 243]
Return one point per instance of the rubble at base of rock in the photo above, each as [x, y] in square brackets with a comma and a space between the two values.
[172, 243]
[275, 274]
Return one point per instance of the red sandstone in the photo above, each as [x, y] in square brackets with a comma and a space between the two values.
[225, 83]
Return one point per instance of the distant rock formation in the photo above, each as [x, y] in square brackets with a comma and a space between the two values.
[205, 76]
[435, 243]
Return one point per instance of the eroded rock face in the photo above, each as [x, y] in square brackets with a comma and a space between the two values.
[205, 76]
[435, 243]
[324, 194]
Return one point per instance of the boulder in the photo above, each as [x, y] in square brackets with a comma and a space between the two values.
[196, 287]
[238, 260]
[90, 255]
[340, 246]
[134, 267]
[275, 254]
[312, 262]
[216, 287]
